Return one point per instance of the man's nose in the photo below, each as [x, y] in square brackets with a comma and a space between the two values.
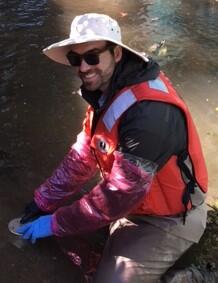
[84, 67]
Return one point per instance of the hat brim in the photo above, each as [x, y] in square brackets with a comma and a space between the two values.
[58, 51]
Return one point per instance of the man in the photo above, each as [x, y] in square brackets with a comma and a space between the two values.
[139, 133]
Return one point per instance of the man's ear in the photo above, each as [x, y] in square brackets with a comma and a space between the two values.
[118, 51]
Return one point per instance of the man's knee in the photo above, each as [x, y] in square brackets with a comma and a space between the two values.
[128, 271]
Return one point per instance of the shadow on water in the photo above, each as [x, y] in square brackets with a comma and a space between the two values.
[40, 116]
[36, 127]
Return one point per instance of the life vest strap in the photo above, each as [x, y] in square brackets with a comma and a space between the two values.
[190, 182]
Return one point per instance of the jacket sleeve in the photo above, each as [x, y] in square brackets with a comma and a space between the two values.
[111, 199]
[78, 166]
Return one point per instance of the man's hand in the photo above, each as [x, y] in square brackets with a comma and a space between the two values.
[40, 228]
[31, 212]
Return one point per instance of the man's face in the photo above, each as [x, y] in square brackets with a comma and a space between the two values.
[97, 76]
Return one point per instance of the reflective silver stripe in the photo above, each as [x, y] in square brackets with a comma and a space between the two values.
[158, 84]
[118, 107]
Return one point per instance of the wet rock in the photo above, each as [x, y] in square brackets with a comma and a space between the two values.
[19, 243]
[6, 109]
[6, 162]
[4, 155]
[208, 246]
[201, 260]
[3, 99]
[198, 274]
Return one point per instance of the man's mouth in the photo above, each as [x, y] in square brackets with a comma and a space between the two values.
[88, 76]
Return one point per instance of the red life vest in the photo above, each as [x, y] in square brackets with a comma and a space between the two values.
[168, 186]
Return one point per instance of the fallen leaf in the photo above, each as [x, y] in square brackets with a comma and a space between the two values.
[123, 14]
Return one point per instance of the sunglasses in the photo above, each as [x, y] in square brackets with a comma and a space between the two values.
[90, 57]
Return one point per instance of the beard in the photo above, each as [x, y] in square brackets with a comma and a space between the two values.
[97, 78]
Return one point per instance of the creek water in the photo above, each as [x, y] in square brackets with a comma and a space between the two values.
[41, 115]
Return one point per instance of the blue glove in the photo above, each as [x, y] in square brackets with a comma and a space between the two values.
[40, 228]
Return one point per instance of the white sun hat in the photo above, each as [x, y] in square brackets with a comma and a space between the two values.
[86, 28]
